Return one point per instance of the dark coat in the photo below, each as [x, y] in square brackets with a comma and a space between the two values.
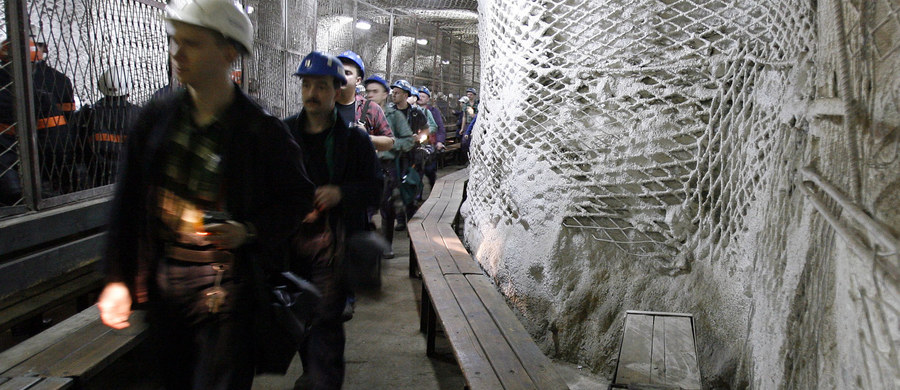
[265, 185]
[357, 172]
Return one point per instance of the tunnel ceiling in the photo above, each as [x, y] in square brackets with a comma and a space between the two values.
[457, 17]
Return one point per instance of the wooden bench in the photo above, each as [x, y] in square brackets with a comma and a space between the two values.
[32, 302]
[492, 347]
[69, 353]
[657, 352]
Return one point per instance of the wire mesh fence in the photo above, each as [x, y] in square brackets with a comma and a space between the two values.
[672, 134]
[91, 63]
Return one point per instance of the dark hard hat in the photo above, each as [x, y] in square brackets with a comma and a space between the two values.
[379, 80]
[355, 59]
[403, 85]
[321, 64]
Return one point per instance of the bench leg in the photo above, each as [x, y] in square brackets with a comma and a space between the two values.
[426, 308]
[430, 333]
[413, 262]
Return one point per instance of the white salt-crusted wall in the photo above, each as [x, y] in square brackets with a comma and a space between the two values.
[647, 155]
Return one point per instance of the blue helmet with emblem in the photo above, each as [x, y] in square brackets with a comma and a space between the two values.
[472, 90]
[413, 91]
[355, 59]
[321, 64]
[379, 80]
[424, 89]
[403, 85]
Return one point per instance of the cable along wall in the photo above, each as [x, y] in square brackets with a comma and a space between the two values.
[644, 155]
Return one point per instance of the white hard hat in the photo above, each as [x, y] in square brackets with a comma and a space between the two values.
[219, 15]
[114, 82]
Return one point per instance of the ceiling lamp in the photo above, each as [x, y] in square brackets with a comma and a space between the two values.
[363, 25]
[422, 41]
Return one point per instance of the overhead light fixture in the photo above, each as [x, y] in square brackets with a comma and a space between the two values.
[363, 25]
[422, 41]
[250, 9]
[445, 62]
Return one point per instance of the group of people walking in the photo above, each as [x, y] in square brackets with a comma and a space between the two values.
[215, 197]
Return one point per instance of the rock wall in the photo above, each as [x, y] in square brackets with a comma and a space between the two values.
[660, 155]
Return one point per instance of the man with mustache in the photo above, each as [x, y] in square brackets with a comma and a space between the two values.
[342, 163]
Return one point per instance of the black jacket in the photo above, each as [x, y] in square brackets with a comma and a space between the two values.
[357, 172]
[265, 185]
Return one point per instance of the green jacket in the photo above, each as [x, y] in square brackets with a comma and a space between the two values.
[404, 140]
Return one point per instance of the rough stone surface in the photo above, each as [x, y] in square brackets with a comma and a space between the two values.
[646, 155]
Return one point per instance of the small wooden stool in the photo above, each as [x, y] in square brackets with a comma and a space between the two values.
[657, 352]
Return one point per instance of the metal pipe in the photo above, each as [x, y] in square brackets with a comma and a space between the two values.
[882, 234]
[352, 24]
[856, 245]
[415, 53]
[850, 110]
[436, 43]
[23, 92]
[390, 47]
[284, 56]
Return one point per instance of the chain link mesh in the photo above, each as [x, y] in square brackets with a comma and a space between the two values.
[646, 113]
[76, 41]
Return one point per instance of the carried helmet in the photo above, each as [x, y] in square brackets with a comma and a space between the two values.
[472, 90]
[424, 89]
[349, 55]
[222, 16]
[379, 80]
[114, 82]
[403, 85]
[320, 64]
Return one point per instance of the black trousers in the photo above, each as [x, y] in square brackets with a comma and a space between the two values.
[322, 353]
[199, 349]
[388, 210]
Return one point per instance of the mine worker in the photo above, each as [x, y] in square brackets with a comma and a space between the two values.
[437, 137]
[342, 163]
[53, 81]
[211, 192]
[401, 91]
[104, 126]
[472, 94]
[52, 134]
[377, 91]
[358, 110]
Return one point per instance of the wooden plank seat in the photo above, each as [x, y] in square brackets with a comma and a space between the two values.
[35, 383]
[492, 347]
[657, 352]
[32, 302]
[75, 349]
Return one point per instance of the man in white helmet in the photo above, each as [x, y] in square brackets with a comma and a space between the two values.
[212, 188]
[102, 127]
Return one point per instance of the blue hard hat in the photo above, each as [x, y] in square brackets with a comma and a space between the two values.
[413, 91]
[379, 80]
[356, 59]
[424, 89]
[472, 90]
[321, 64]
[403, 85]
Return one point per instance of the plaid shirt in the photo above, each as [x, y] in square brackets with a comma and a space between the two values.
[375, 122]
[192, 174]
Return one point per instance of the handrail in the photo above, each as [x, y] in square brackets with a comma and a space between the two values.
[881, 233]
